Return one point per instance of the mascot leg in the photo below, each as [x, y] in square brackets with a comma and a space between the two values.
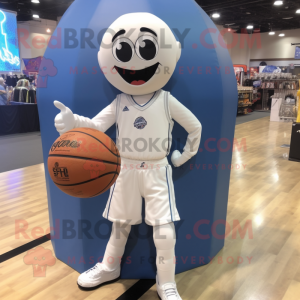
[110, 269]
[116, 245]
[165, 239]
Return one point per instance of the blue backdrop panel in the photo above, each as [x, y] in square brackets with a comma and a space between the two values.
[201, 194]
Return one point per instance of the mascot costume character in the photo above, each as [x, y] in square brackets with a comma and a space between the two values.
[138, 56]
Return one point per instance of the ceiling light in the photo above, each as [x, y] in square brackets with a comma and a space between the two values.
[250, 27]
[48, 30]
[278, 2]
[35, 1]
[298, 11]
[248, 13]
[281, 34]
[215, 16]
[288, 18]
[36, 16]
[271, 33]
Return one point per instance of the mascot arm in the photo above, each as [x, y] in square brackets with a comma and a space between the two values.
[102, 122]
[191, 124]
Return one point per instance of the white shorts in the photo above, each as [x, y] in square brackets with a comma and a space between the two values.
[151, 180]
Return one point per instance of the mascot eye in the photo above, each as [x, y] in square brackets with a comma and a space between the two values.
[146, 47]
[123, 50]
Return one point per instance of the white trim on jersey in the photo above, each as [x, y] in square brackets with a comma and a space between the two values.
[145, 103]
[171, 123]
[167, 108]
[145, 106]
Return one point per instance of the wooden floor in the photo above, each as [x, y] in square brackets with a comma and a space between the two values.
[266, 195]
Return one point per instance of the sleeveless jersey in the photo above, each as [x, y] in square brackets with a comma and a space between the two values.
[144, 131]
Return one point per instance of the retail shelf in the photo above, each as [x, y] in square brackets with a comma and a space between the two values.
[277, 79]
[243, 107]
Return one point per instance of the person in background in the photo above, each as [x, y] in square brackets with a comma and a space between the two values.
[3, 93]
[2, 82]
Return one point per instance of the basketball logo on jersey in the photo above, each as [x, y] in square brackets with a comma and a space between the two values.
[126, 108]
[140, 123]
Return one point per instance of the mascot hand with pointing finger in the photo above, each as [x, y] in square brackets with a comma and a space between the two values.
[137, 64]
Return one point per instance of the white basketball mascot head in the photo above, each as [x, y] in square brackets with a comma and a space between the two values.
[138, 53]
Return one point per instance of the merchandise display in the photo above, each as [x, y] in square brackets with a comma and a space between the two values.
[20, 94]
[288, 109]
[245, 99]
[280, 84]
[13, 100]
[240, 71]
[31, 96]
[24, 92]
[23, 83]
[12, 80]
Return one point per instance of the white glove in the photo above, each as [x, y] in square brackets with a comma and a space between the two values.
[65, 120]
[175, 158]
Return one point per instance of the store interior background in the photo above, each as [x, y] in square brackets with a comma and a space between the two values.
[26, 148]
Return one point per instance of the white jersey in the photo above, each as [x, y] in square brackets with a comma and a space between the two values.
[144, 131]
[144, 125]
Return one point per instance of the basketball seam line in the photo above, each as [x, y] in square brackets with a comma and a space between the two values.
[86, 158]
[87, 180]
[104, 188]
[98, 141]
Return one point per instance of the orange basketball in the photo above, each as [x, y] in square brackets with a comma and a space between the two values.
[84, 162]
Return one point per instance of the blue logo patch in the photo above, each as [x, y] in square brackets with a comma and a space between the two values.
[140, 123]
[126, 108]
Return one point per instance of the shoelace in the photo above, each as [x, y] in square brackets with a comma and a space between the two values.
[93, 270]
[170, 292]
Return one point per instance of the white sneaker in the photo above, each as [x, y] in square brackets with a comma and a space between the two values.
[167, 291]
[97, 275]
